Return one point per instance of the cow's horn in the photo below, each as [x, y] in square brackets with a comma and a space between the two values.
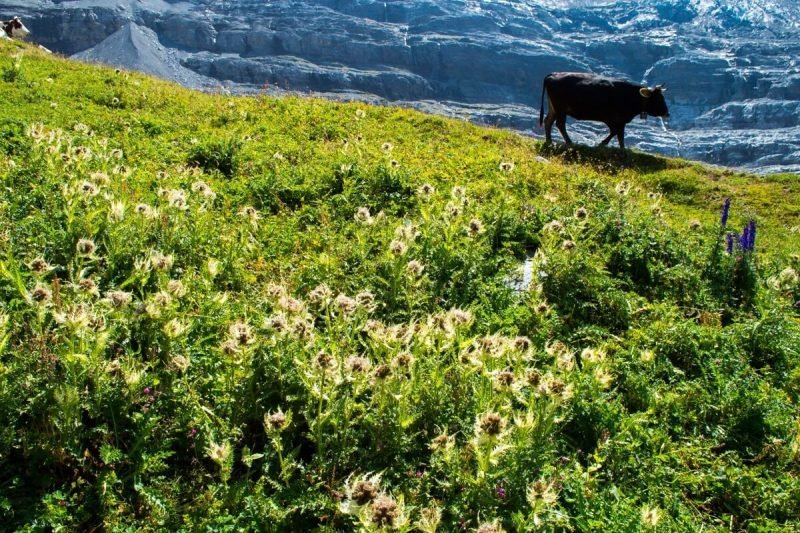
[644, 91]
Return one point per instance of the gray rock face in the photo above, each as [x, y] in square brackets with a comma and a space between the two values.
[732, 67]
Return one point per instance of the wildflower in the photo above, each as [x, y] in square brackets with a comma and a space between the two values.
[122, 170]
[364, 491]
[363, 216]
[695, 224]
[366, 299]
[491, 527]
[542, 308]
[88, 285]
[387, 147]
[398, 248]
[403, 360]
[408, 232]
[506, 166]
[86, 247]
[250, 213]
[357, 364]
[394, 162]
[491, 424]
[441, 442]
[39, 265]
[581, 213]
[324, 360]
[650, 516]
[521, 344]
[241, 332]
[180, 363]
[174, 328]
[647, 356]
[97, 322]
[568, 245]
[276, 421]
[144, 210]
[786, 279]
[100, 177]
[229, 347]
[460, 316]
[176, 288]
[384, 511]
[89, 189]
[504, 379]
[603, 377]
[321, 294]
[118, 299]
[277, 323]
[116, 153]
[592, 355]
[278, 156]
[458, 192]
[212, 265]
[116, 211]
[382, 371]
[290, 305]
[729, 242]
[161, 262]
[360, 113]
[41, 294]
[542, 492]
[219, 453]
[748, 239]
[534, 378]
[426, 190]
[475, 227]
[415, 268]
[453, 210]
[345, 304]
[177, 199]
[115, 101]
[623, 187]
[202, 188]
[726, 209]
[303, 328]
[555, 226]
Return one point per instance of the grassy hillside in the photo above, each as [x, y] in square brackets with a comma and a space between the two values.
[288, 314]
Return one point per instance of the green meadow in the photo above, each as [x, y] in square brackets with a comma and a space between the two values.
[286, 314]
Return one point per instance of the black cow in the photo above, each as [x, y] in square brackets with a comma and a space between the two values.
[14, 29]
[590, 97]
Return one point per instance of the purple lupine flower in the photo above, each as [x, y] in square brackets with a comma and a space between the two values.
[146, 391]
[726, 208]
[744, 237]
[751, 236]
[729, 238]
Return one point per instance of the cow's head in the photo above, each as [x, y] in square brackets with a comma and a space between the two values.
[16, 29]
[654, 103]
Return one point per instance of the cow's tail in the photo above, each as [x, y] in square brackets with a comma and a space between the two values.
[541, 109]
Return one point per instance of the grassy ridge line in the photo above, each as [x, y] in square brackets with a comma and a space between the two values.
[287, 314]
[430, 147]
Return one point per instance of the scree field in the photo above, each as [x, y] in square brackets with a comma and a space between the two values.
[285, 314]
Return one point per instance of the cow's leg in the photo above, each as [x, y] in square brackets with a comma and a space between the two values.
[561, 123]
[605, 141]
[548, 127]
[621, 136]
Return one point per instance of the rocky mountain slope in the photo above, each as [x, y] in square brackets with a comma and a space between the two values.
[731, 67]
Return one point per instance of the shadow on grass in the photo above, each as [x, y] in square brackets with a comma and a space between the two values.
[605, 159]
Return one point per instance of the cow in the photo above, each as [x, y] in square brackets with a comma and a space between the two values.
[587, 96]
[14, 29]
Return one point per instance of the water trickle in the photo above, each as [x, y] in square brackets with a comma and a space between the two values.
[679, 148]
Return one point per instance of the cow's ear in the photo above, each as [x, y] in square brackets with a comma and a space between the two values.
[644, 91]
[661, 88]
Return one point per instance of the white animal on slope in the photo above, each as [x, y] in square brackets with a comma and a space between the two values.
[14, 29]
